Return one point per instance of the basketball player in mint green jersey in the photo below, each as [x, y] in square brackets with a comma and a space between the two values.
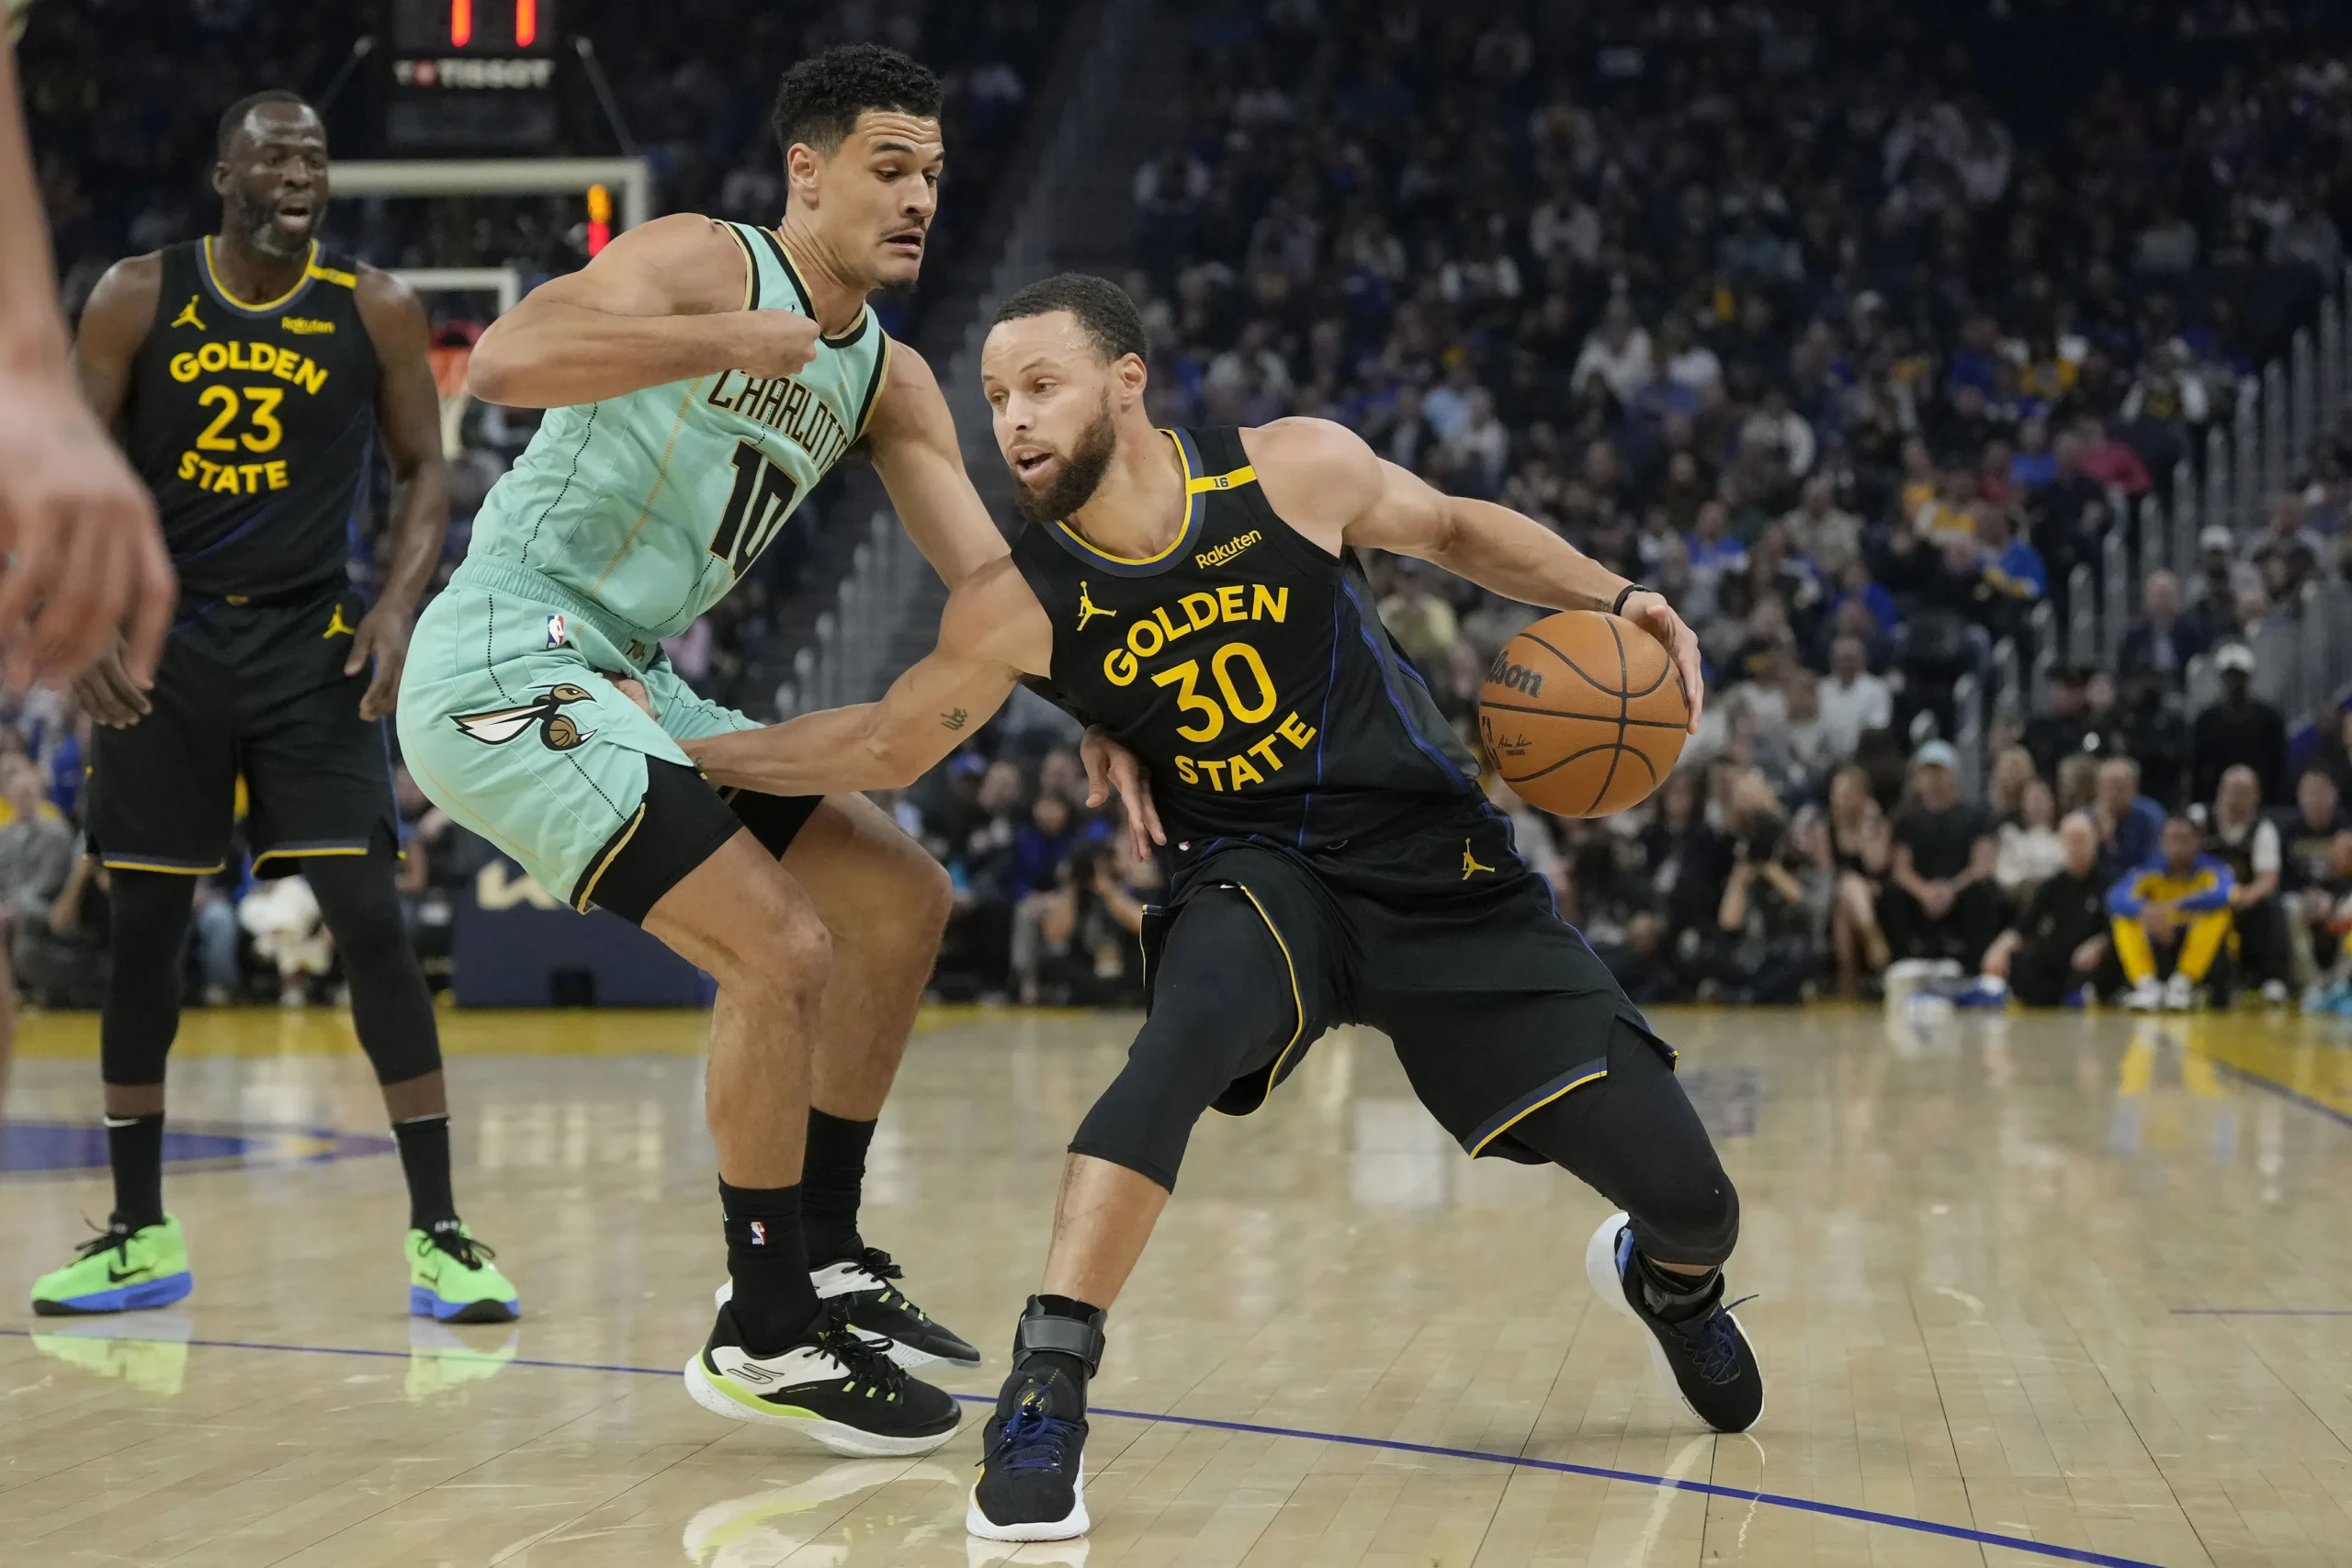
[700, 377]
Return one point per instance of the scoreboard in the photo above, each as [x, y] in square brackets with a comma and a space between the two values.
[473, 76]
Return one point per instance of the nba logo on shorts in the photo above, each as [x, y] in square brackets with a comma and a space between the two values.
[555, 631]
[758, 1234]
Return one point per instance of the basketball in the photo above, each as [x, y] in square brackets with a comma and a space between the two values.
[1584, 713]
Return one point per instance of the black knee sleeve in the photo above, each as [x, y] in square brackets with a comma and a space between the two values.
[1635, 1137]
[1220, 1001]
[391, 1006]
[147, 943]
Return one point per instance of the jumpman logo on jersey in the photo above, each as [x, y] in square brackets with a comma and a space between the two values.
[1086, 607]
[338, 625]
[189, 317]
[1470, 863]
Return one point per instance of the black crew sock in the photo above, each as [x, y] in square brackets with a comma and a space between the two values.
[135, 1149]
[1674, 1296]
[775, 1299]
[832, 1179]
[425, 1161]
[1069, 1366]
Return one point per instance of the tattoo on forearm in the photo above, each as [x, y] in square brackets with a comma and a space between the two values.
[955, 720]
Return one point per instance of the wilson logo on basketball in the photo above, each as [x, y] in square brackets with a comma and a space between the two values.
[1518, 677]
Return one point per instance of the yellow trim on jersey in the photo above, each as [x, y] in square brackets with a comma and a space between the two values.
[112, 864]
[1245, 475]
[587, 891]
[750, 269]
[341, 279]
[1193, 486]
[1298, 1006]
[310, 269]
[1563, 1089]
[661, 478]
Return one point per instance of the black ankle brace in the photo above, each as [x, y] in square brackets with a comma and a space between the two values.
[1040, 1332]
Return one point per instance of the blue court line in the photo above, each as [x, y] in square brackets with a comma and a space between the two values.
[2262, 1311]
[1391, 1445]
[2272, 1085]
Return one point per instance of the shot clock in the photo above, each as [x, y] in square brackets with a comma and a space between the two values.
[474, 76]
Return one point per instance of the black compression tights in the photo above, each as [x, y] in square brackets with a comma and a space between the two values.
[391, 1006]
[1635, 1138]
[1220, 1005]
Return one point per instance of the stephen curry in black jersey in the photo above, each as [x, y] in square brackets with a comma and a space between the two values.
[1193, 592]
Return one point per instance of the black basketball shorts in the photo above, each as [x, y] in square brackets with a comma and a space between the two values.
[257, 692]
[1439, 937]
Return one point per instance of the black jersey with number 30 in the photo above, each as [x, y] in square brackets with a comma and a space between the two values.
[1247, 667]
[253, 424]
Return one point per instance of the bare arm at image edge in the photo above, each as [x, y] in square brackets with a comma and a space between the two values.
[87, 559]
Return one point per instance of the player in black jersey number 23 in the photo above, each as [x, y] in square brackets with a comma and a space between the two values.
[1193, 592]
[251, 373]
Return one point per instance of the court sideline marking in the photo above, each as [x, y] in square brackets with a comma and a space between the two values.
[1391, 1445]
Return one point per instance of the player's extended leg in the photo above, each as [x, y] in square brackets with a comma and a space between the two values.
[885, 903]
[1635, 1138]
[140, 1258]
[1221, 1003]
[776, 1353]
[451, 1277]
[1569, 1079]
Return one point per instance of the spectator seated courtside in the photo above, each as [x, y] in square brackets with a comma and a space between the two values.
[2172, 923]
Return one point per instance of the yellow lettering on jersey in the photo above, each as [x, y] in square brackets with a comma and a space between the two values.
[1216, 773]
[1119, 667]
[1200, 610]
[1264, 751]
[1232, 772]
[304, 324]
[1264, 605]
[1160, 614]
[232, 478]
[1229, 602]
[1218, 555]
[1243, 773]
[1186, 771]
[1297, 734]
[260, 358]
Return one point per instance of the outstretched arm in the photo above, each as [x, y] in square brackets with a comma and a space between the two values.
[664, 303]
[992, 632]
[922, 464]
[1330, 485]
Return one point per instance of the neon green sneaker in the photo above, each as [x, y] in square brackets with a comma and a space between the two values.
[451, 1279]
[118, 1269]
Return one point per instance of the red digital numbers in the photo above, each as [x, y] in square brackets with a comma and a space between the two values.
[461, 23]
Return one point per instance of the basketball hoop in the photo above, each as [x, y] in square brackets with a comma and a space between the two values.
[449, 383]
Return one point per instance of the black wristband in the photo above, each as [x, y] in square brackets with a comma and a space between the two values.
[1627, 592]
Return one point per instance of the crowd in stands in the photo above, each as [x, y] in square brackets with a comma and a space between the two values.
[1793, 313]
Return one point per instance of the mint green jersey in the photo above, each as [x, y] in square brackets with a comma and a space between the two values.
[649, 506]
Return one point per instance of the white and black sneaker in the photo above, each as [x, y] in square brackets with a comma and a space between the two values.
[1700, 1355]
[866, 1281]
[1033, 1464]
[833, 1384]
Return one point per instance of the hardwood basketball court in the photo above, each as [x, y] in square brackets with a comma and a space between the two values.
[2036, 1290]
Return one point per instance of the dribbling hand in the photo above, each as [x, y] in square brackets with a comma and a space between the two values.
[1655, 615]
[776, 343]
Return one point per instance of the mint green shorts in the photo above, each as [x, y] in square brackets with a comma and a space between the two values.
[508, 722]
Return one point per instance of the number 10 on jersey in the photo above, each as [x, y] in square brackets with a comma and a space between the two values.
[756, 508]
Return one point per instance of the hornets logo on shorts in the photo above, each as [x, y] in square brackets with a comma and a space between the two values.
[557, 730]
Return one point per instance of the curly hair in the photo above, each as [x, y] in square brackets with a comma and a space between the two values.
[821, 99]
